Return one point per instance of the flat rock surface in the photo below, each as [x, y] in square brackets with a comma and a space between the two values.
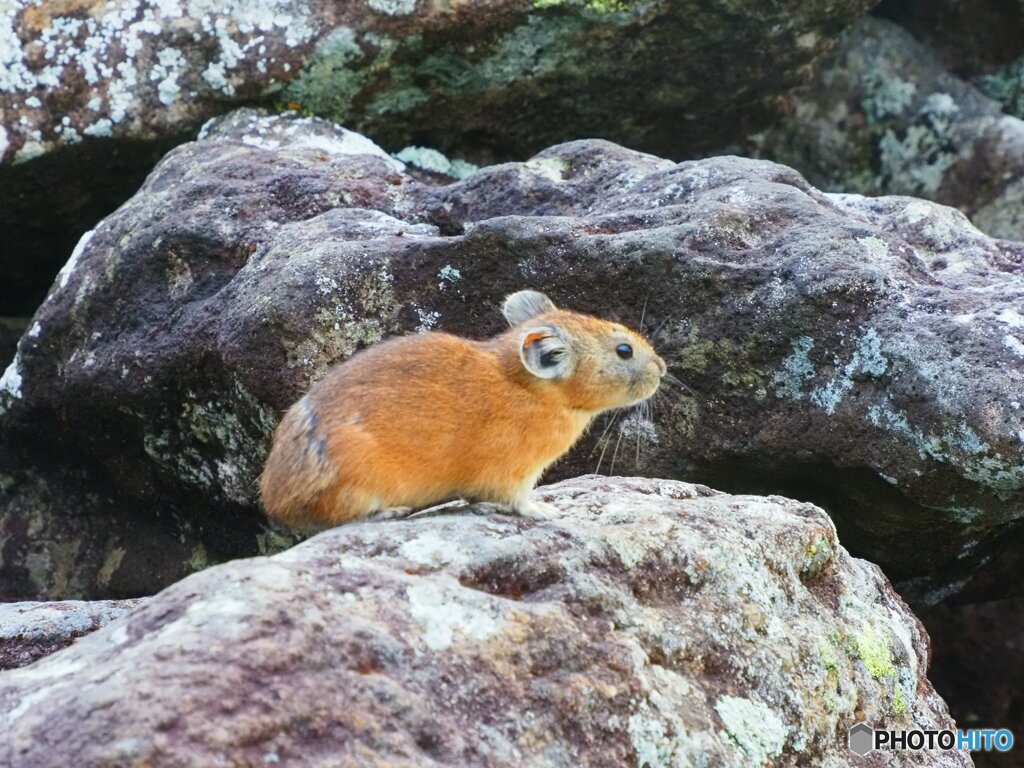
[866, 354]
[650, 623]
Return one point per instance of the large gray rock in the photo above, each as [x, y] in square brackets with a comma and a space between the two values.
[652, 623]
[883, 116]
[867, 354]
[92, 92]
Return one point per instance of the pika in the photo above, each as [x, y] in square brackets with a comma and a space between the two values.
[431, 417]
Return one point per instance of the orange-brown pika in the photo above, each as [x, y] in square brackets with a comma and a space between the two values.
[431, 417]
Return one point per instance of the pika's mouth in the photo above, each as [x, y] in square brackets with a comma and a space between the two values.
[645, 383]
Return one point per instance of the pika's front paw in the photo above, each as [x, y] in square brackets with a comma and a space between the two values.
[534, 510]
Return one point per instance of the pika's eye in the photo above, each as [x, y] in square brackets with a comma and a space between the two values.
[551, 357]
[624, 351]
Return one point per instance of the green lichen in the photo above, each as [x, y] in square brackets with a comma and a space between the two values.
[338, 70]
[829, 657]
[899, 703]
[400, 75]
[271, 541]
[731, 357]
[214, 442]
[1006, 86]
[198, 560]
[874, 650]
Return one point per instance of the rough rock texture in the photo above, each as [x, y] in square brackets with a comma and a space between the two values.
[93, 90]
[978, 668]
[29, 631]
[866, 354]
[883, 116]
[652, 623]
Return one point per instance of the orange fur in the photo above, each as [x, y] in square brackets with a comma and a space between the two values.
[426, 418]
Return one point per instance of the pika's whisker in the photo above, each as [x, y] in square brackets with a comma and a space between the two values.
[615, 453]
[604, 443]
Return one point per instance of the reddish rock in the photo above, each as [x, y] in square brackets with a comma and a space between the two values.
[651, 623]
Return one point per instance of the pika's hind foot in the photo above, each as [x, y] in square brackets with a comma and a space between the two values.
[392, 513]
[533, 510]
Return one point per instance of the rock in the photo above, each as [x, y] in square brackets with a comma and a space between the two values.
[882, 116]
[970, 39]
[29, 631]
[978, 668]
[651, 623]
[100, 90]
[864, 354]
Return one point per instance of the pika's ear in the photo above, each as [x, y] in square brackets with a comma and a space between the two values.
[521, 306]
[545, 352]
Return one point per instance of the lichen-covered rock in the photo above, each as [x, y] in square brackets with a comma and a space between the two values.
[882, 116]
[651, 623]
[867, 354]
[89, 89]
[29, 631]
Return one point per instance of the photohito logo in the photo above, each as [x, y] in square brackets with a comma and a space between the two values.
[862, 738]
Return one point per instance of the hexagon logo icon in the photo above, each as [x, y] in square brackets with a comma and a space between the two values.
[861, 738]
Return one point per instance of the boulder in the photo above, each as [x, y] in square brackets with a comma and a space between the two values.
[29, 631]
[93, 93]
[970, 39]
[883, 116]
[649, 623]
[866, 354]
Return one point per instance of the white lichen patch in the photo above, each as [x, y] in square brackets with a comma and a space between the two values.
[867, 360]
[755, 727]
[795, 370]
[104, 51]
[393, 7]
[1013, 344]
[433, 549]
[427, 319]
[1011, 317]
[552, 168]
[69, 267]
[431, 160]
[449, 274]
[10, 382]
[874, 246]
[916, 160]
[653, 745]
[442, 618]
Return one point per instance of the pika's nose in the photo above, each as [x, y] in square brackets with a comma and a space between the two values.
[662, 368]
